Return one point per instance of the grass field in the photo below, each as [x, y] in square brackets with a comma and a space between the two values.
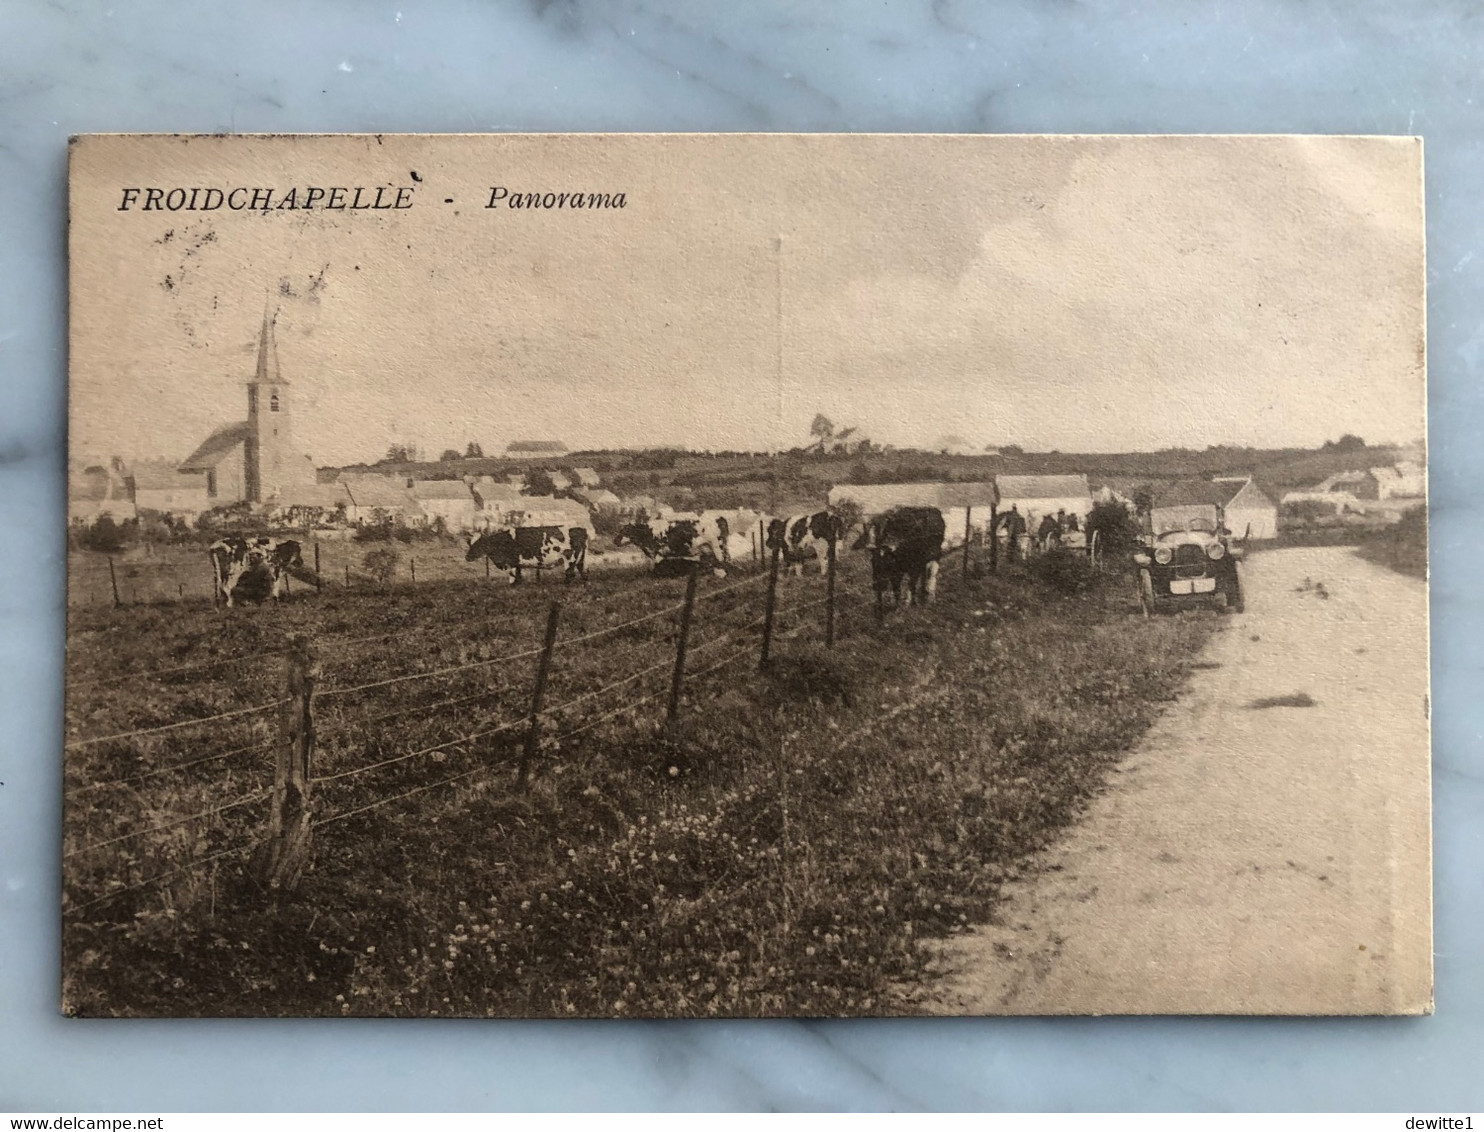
[781, 850]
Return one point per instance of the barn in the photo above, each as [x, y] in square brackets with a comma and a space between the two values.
[1249, 513]
[961, 503]
[375, 499]
[1037, 496]
[1234, 502]
[449, 500]
[497, 503]
[310, 505]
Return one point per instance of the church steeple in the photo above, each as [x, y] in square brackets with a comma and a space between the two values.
[272, 462]
[268, 371]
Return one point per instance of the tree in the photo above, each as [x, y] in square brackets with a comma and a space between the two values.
[823, 429]
[449, 455]
[539, 482]
[472, 451]
[400, 454]
[381, 564]
[1347, 443]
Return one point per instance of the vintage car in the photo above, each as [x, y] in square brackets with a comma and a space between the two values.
[1194, 563]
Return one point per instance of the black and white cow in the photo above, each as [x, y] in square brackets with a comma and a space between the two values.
[678, 543]
[252, 569]
[512, 548]
[802, 537]
[905, 543]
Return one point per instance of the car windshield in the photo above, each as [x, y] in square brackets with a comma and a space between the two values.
[1196, 525]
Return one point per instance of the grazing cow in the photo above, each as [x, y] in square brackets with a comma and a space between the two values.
[509, 549]
[253, 569]
[802, 537]
[905, 542]
[677, 543]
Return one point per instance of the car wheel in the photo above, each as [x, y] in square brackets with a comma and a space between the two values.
[1146, 592]
[1234, 596]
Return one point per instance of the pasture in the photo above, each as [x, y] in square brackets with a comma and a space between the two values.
[779, 849]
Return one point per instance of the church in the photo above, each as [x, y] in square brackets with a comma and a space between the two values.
[255, 461]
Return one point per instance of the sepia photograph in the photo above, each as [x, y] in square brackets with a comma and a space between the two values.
[547, 576]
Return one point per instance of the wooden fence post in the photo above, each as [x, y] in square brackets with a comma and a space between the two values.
[994, 538]
[968, 513]
[772, 604]
[113, 581]
[829, 593]
[486, 568]
[285, 854]
[543, 671]
[880, 591]
[679, 677]
[347, 575]
[318, 578]
[412, 565]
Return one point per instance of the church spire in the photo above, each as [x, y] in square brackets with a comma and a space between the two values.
[268, 371]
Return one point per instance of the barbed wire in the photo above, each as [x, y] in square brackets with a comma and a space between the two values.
[210, 812]
[666, 663]
[342, 815]
[751, 581]
[736, 656]
[608, 715]
[354, 771]
[428, 675]
[140, 731]
[156, 771]
[189, 866]
[621, 625]
[144, 674]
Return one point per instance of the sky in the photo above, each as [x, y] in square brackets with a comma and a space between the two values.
[1072, 293]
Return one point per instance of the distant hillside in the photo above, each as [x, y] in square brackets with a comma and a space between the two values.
[802, 479]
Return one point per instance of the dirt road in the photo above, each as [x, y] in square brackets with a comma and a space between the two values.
[1253, 855]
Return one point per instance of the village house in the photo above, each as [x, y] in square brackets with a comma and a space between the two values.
[161, 487]
[586, 477]
[1248, 511]
[497, 503]
[311, 505]
[449, 500]
[598, 499]
[1233, 502]
[373, 499]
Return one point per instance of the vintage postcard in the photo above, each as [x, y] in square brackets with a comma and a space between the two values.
[738, 575]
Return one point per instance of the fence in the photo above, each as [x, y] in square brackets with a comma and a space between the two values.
[297, 739]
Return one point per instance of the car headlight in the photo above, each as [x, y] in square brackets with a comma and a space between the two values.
[1163, 555]
[1215, 551]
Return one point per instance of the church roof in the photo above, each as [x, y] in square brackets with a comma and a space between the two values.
[216, 447]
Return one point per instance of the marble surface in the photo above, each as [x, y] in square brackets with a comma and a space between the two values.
[1372, 66]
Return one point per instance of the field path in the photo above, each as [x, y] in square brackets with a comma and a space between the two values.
[1245, 859]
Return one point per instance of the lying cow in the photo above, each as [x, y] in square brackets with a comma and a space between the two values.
[679, 543]
[510, 549]
[253, 569]
[905, 543]
[802, 537]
